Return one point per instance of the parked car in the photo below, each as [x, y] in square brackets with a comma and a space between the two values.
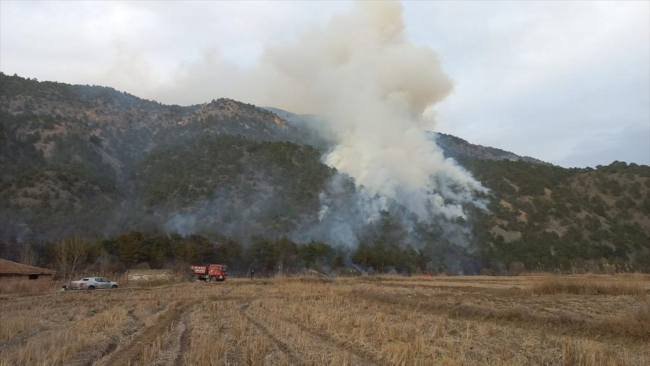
[91, 283]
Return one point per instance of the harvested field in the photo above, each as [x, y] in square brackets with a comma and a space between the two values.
[526, 320]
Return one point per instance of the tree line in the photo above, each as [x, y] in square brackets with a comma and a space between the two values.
[139, 250]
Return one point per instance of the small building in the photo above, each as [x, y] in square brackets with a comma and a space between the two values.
[18, 277]
[149, 275]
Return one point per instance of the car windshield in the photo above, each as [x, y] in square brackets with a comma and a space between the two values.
[85, 279]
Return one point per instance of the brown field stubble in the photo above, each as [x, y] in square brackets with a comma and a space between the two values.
[527, 320]
[622, 284]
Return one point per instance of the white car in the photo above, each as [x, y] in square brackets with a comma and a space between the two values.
[91, 283]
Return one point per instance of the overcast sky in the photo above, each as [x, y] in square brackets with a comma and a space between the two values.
[565, 82]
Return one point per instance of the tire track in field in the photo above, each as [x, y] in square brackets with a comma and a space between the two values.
[130, 314]
[186, 338]
[283, 347]
[133, 351]
[360, 357]
[111, 347]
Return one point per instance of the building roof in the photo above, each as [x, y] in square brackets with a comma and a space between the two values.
[13, 268]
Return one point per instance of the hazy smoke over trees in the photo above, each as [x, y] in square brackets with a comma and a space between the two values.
[372, 88]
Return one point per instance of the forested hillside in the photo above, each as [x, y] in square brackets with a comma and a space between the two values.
[152, 185]
[547, 216]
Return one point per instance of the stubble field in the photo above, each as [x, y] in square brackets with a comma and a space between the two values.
[527, 320]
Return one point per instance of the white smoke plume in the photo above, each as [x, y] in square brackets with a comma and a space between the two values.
[372, 87]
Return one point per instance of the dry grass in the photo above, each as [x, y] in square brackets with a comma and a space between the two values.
[576, 352]
[633, 285]
[18, 287]
[385, 320]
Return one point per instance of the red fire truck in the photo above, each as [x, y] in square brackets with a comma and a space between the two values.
[210, 272]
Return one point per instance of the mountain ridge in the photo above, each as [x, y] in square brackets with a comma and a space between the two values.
[97, 101]
[101, 162]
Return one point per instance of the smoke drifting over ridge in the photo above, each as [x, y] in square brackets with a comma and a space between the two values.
[372, 88]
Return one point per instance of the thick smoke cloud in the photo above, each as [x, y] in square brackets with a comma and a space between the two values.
[371, 87]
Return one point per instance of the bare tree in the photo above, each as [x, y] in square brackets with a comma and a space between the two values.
[27, 255]
[103, 260]
[71, 252]
[62, 258]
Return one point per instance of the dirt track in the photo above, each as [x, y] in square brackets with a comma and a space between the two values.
[130, 353]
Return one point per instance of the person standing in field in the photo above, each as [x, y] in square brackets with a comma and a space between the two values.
[252, 273]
